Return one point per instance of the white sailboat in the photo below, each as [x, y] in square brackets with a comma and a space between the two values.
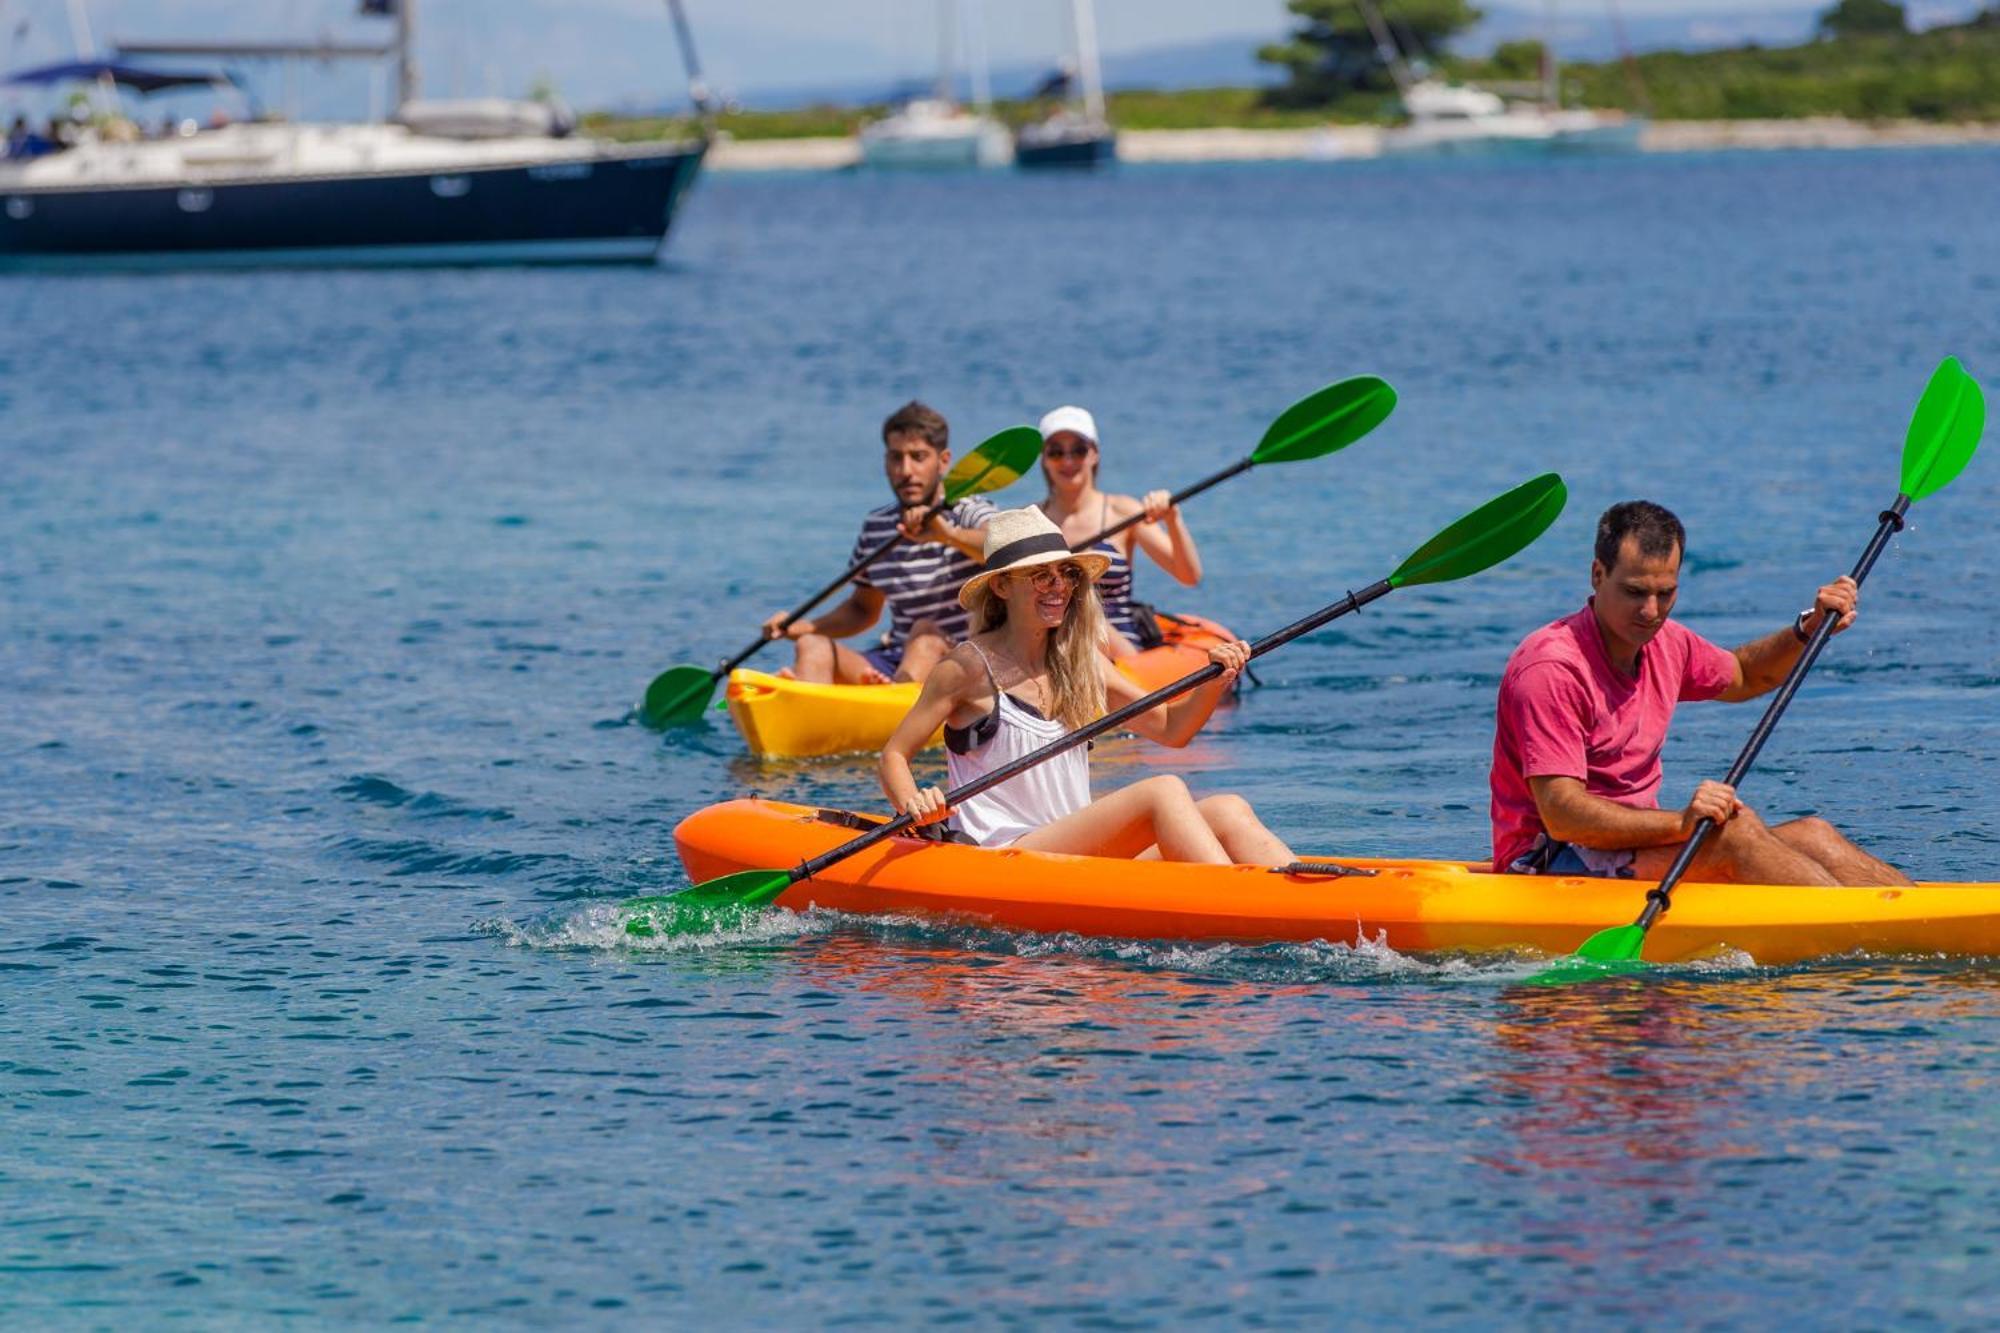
[934, 133]
[1077, 135]
[1452, 120]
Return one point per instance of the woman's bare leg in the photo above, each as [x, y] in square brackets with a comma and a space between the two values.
[1153, 812]
[1243, 835]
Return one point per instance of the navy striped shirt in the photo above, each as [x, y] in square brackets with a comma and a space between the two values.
[920, 580]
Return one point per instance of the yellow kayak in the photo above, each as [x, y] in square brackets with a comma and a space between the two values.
[794, 719]
[1413, 906]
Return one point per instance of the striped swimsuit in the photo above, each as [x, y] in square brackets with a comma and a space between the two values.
[920, 580]
[1114, 585]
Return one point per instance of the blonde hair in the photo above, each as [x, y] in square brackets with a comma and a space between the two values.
[1076, 681]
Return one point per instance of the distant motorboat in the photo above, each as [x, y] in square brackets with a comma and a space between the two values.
[1447, 119]
[932, 134]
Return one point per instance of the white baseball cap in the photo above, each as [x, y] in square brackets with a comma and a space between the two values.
[1072, 419]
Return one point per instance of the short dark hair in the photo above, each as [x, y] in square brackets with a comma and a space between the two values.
[914, 418]
[1658, 531]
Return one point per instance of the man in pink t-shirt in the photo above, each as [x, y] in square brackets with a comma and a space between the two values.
[1584, 708]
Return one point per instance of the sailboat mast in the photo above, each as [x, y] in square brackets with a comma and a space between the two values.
[1085, 19]
[982, 79]
[409, 86]
[1551, 89]
[697, 85]
[947, 40]
[1385, 46]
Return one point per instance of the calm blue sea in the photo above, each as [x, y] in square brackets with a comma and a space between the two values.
[324, 598]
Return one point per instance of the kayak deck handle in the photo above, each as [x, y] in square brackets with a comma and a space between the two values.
[1321, 870]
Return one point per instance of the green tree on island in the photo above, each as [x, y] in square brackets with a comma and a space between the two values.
[1863, 18]
[1332, 52]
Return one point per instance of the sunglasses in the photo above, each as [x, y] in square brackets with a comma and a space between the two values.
[1067, 451]
[1047, 578]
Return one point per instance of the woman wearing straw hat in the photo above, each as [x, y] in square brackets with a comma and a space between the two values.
[1069, 466]
[1031, 673]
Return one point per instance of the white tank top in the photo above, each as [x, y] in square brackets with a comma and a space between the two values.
[1026, 801]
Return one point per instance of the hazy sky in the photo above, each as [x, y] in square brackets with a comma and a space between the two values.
[621, 51]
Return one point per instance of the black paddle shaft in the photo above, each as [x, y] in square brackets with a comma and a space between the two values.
[1354, 601]
[1658, 899]
[1180, 497]
[886, 546]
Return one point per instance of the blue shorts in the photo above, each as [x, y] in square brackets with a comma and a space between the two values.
[1549, 857]
[880, 658]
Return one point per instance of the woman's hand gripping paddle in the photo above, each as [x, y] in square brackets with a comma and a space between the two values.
[1493, 532]
[680, 694]
[1320, 423]
[1944, 431]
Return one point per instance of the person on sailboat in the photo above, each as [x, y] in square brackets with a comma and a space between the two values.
[1031, 673]
[1074, 503]
[918, 579]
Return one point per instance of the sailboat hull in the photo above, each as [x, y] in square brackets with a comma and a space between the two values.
[1085, 150]
[607, 209]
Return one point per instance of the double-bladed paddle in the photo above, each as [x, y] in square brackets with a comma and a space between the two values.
[1944, 431]
[680, 694]
[1318, 424]
[1496, 530]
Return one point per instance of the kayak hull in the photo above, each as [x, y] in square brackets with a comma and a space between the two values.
[794, 719]
[786, 719]
[1413, 906]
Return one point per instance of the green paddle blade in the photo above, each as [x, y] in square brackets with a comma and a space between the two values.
[1330, 419]
[677, 696]
[1572, 970]
[1502, 527]
[745, 888]
[1619, 944]
[1608, 953]
[998, 463]
[719, 904]
[1944, 430]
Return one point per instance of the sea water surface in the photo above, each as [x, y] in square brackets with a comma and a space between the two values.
[324, 598]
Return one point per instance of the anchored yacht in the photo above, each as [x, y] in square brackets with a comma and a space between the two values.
[479, 182]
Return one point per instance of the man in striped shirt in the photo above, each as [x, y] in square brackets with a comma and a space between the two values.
[919, 578]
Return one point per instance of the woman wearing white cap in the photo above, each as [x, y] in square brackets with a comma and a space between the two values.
[1069, 465]
[1030, 674]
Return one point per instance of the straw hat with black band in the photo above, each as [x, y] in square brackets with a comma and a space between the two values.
[1024, 539]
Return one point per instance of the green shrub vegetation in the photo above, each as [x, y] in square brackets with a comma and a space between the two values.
[1945, 74]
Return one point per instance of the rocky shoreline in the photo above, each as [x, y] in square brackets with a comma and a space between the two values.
[1334, 142]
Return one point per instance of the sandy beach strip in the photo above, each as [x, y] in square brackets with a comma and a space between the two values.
[1333, 142]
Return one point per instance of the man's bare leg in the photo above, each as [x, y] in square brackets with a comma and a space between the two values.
[926, 647]
[1846, 862]
[821, 661]
[1743, 851]
[812, 659]
[851, 668]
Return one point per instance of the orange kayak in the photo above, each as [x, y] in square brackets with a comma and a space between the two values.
[1413, 906]
[782, 718]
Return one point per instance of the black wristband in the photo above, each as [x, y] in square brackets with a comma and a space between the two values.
[1799, 625]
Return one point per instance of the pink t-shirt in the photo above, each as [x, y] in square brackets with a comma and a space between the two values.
[1565, 711]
